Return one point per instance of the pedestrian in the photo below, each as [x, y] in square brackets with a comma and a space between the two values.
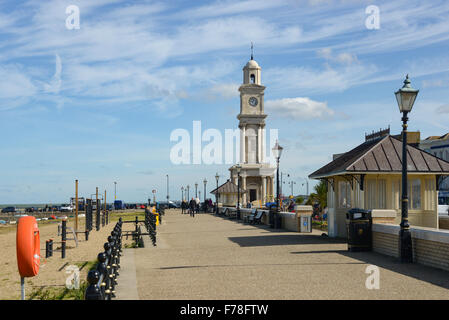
[198, 203]
[192, 207]
[183, 207]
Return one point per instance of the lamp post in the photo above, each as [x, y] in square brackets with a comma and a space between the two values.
[188, 193]
[307, 186]
[196, 189]
[167, 190]
[115, 190]
[291, 185]
[216, 193]
[238, 168]
[405, 97]
[277, 151]
[182, 193]
[205, 182]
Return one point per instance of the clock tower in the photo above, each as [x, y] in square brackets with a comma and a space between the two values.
[256, 175]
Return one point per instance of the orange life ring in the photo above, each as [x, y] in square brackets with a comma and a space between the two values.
[28, 246]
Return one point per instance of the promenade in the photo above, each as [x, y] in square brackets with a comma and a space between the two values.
[209, 257]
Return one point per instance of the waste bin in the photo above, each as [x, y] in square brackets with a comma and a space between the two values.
[359, 229]
[305, 223]
[271, 218]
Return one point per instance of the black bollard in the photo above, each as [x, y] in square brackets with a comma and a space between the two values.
[47, 248]
[64, 238]
[93, 291]
[104, 275]
[50, 247]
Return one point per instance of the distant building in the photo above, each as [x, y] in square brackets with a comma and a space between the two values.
[439, 147]
[227, 194]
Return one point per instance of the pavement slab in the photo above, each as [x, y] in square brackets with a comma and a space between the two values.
[210, 257]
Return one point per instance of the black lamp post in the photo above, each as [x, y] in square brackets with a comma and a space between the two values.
[168, 197]
[405, 97]
[188, 193]
[216, 194]
[182, 193]
[205, 182]
[277, 151]
[238, 168]
[196, 190]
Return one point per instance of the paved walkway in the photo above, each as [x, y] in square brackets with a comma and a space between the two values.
[209, 257]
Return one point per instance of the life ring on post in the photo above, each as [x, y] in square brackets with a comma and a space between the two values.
[28, 246]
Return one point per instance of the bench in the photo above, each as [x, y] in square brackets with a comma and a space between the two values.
[231, 214]
[256, 217]
[250, 216]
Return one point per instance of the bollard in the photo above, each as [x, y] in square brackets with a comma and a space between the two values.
[64, 238]
[103, 271]
[50, 244]
[103, 279]
[47, 248]
[86, 233]
[93, 291]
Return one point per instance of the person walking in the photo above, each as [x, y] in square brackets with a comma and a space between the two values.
[197, 207]
[192, 207]
[183, 207]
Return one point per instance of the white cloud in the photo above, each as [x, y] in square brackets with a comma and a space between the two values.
[55, 84]
[443, 109]
[343, 58]
[329, 79]
[299, 109]
[223, 91]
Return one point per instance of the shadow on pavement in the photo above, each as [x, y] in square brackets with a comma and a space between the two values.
[281, 239]
[424, 273]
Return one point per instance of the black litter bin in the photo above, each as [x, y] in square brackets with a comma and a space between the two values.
[359, 229]
[271, 218]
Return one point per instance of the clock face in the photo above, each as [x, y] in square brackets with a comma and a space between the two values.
[253, 101]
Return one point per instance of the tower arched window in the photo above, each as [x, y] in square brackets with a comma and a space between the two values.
[253, 78]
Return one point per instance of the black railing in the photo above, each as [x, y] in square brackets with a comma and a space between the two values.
[103, 279]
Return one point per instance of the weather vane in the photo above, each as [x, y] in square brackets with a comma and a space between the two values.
[252, 47]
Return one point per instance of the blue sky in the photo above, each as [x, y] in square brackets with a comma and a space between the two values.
[98, 103]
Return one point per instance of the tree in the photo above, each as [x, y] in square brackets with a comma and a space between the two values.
[299, 200]
[319, 196]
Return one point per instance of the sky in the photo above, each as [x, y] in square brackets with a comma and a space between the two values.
[98, 100]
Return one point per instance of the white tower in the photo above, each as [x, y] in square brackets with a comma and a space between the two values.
[256, 175]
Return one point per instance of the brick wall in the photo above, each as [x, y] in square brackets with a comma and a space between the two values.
[431, 253]
[444, 223]
[385, 243]
[430, 246]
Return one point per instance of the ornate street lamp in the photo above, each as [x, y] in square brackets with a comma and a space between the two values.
[188, 193]
[196, 190]
[182, 192]
[238, 168]
[216, 193]
[405, 97]
[205, 182]
[277, 151]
